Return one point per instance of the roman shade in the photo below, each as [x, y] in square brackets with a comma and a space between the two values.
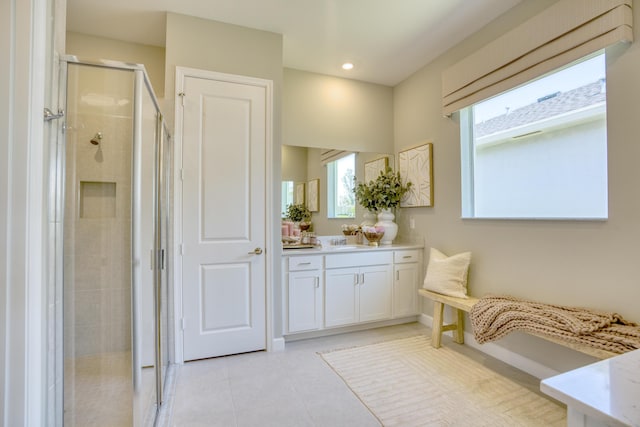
[328, 156]
[561, 34]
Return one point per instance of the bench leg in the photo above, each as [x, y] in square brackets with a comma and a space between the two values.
[458, 333]
[436, 333]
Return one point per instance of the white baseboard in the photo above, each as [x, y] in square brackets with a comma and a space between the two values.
[277, 344]
[516, 360]
[345, 329]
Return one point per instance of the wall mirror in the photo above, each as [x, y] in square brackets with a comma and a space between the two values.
[302, 165]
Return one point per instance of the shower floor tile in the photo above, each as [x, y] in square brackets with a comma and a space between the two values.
[98, 390]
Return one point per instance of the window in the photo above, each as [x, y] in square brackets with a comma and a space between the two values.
[287, 196]
[341, 201]
[540, 150]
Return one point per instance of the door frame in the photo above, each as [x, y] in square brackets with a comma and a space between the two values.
[24, 210]
[183, 73]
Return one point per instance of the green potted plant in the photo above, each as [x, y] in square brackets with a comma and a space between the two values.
[381, 196]
[384, 193]
[299, 214]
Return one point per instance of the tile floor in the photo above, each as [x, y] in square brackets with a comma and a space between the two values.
[294, 387]
[98, 390]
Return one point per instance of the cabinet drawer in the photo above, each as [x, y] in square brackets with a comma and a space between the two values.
[413, 255]
[358, 259]
[297, 263]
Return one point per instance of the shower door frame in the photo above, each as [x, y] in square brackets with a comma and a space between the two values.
[161, 177]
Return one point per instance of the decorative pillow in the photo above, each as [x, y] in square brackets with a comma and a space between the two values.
[447, 275]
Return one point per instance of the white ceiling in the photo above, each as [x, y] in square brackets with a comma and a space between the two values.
[387, 40]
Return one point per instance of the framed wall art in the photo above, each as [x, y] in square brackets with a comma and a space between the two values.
[299, 193]
[313, 188]
[416, 166]
[373, 168]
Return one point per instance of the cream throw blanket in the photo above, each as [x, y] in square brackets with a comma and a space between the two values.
[493, 317]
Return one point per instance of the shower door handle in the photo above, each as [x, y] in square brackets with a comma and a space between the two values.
[157, 258]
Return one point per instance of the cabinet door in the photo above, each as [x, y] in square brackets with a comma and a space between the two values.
[304, 301]
[405, 289]
[375, 293]
[341, 297]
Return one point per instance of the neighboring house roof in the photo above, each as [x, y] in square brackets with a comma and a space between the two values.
[548, 106]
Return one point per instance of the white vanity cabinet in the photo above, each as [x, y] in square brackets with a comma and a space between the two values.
[341, 297]
[333, 288]
[304, 293]
[358, 288]
[407, 273]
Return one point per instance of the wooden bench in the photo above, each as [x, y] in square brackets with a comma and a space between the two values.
[462, 305]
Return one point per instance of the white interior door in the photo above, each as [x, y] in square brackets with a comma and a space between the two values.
[223, 217]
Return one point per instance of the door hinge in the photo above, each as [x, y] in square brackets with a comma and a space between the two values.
[183, 323]
[181, 174]
[181, 95]
[181, 248]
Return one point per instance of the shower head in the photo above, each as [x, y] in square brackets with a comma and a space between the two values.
[97, 139]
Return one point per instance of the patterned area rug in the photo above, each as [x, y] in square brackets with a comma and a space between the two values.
[406, 382]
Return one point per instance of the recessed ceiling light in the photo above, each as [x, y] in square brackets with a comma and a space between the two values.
[347, 66]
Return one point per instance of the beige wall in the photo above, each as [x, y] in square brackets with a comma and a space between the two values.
[209, 45]
[578, 263]
[294, 163]
[330, 112]
[85, 46]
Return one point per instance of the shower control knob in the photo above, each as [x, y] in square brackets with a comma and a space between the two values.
[256, 251]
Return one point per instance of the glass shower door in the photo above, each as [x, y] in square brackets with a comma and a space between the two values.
[116, 282]
[144, 261]
[97, 247]
[151, 207]
[165, 243]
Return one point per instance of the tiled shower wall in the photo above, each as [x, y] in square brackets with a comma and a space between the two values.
[97, 244]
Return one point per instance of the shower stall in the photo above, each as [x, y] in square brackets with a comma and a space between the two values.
[113, 198]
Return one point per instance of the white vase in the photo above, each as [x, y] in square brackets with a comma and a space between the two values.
[369, 219]
[385, 219]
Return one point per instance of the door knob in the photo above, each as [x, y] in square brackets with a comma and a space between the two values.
[256, 251]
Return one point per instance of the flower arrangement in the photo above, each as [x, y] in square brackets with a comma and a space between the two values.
[373, 229]
[298, 213]
[373, 234]
[350, 229]
[383, 193]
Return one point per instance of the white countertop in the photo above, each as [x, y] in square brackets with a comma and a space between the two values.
[608, 390]
[331, 249]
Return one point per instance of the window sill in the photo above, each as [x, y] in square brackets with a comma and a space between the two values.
[506, 218]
